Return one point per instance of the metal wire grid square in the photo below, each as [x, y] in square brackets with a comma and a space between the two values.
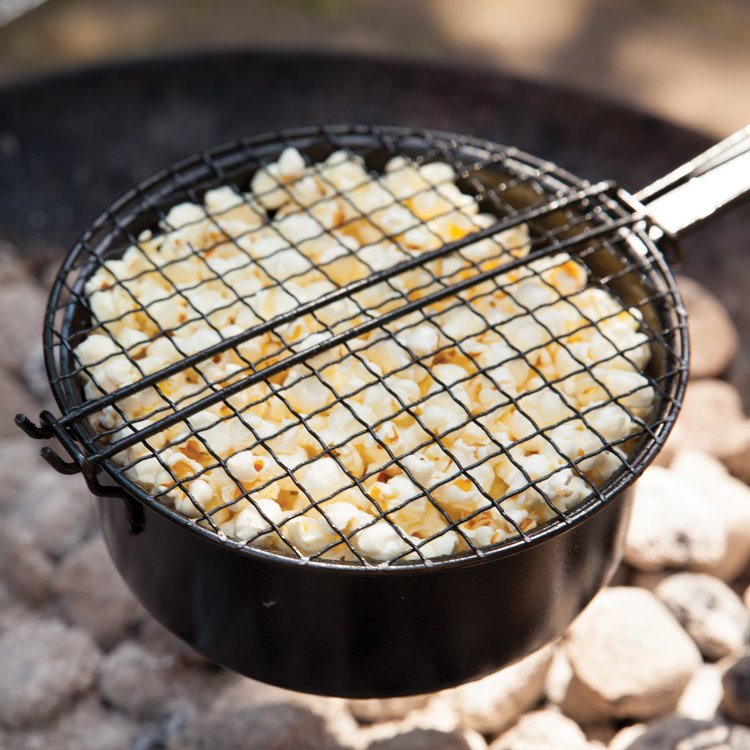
[496, 178]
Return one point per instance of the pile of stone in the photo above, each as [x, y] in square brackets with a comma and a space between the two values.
[659, 660]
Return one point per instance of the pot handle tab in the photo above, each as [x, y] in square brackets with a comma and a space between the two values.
[698, 189]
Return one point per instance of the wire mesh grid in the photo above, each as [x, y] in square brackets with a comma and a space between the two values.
[317, 362]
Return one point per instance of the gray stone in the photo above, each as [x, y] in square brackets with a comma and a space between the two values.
[386, 709]
[24, 567]
[34, 375]
[672, 526]
[56, 509]
[736, 683]
[135, 680]
[439, 714]
[14, 398]
[94, 596]
[727, 496]
[630, 658]
[713, 337]
[240, 694]
[702, 696]
[159, 640]
[274, 726]
[43, 665]
[678, 733]
[88, 726]
[422, 739]
[711, 613]
[22, 308]
[542, 730]
[492, 704]
[19, 462]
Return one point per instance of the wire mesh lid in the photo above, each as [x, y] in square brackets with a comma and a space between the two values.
[400, 348]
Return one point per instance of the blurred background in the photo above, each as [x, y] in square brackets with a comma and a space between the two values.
[686, 60]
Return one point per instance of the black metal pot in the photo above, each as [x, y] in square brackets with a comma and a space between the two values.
[358, 633]
[342, 629]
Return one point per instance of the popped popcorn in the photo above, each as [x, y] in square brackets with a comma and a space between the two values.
[457, 426]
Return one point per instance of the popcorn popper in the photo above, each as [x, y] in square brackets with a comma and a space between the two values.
[362, 406]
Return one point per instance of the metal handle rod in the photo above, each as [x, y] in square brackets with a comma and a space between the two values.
[696, 190]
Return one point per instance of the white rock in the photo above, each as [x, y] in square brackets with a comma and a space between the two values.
[22, 312]
[630, 658]
[43, 665]
[648, 580]
[56, 510]
[439, 714]
[94, 596]
[542, 730]
[712, 614]
[87, 726]
[672, 525]
[386, 709]
[422, 739]
[711, 420]
[492, 704]
[558, 677]
[626, 736]
[713, 336]
[25, 569]
[266, 727]
[242, 694]
[600, 735]
[702, 696]
[135, 680]
[21, 462]
[727, 496]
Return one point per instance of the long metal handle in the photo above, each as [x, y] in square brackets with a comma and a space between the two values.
[697, 190]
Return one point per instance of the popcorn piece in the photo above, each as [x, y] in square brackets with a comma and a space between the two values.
[249, 523]
[380, 542]
[322, 477]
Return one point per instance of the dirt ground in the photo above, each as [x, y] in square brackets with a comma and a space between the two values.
[687, 60]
